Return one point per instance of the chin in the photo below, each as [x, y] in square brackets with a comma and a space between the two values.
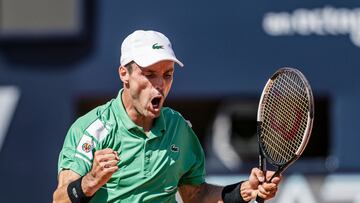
[152, 114]
[156, 115]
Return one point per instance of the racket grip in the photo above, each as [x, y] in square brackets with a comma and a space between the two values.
[262, 167]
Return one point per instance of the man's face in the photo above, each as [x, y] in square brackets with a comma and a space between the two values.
[150, 86]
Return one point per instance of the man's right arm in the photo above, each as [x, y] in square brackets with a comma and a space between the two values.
[65, 178]
[104, 165]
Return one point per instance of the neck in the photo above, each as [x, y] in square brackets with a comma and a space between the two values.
[138, 118]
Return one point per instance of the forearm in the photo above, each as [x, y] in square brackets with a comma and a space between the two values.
[210, 193]
[200, 193]
[60, 195]
[88, 187]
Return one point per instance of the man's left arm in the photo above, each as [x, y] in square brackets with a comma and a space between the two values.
[204, 193]
[245, 191]
[200, 193]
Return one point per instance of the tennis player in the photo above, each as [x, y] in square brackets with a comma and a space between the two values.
[132, 149]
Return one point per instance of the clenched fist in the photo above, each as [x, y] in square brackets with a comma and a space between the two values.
[257, 186]
[104, 165]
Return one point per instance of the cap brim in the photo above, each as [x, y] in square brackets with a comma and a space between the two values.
[145, 61]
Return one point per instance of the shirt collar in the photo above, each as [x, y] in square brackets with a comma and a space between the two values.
[159, 127]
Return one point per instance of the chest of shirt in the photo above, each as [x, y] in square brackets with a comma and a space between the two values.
[156, 159]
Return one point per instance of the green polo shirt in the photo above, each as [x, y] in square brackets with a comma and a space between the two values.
[151, 166]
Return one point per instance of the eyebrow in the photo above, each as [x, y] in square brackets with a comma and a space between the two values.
[171, 69]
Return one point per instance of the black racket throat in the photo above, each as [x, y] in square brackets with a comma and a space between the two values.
[278, 168]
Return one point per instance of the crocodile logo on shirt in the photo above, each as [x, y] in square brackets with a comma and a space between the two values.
[174, 148]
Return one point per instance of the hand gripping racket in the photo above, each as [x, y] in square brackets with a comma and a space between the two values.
[284, 120]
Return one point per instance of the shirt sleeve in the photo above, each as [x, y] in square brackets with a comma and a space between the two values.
[196, 174]
[77, 152]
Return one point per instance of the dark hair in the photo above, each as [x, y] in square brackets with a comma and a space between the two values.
[129, 66]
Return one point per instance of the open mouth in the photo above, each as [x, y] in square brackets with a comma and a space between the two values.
[156, 102]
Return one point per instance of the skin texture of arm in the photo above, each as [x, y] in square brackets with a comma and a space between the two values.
[207, 193]
[65, 178]
[200, 193]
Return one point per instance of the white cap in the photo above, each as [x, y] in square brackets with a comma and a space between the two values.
[146, 48]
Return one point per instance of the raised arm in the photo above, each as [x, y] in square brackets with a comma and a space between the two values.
[104, 165]
[245, 191]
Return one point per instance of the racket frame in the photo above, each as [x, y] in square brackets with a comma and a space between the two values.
[263, 157]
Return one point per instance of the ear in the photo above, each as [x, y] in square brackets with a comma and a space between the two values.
[124, 75]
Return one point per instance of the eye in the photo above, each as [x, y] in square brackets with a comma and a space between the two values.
[149, 75]
[168, 75]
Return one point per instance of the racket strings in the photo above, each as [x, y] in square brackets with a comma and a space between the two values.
[292, 86]
[276, 147]
[298, 87]
[295, 99]
[278, 152]
[285, 109]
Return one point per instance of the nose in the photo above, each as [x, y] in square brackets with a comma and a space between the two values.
[159, 83]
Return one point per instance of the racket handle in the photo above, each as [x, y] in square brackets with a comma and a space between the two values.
[262, 167]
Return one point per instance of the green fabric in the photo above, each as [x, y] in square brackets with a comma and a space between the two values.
[151, 166]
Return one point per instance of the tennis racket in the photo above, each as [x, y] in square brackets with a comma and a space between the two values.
[284, 120]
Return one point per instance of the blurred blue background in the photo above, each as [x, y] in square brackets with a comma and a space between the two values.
[51, 73]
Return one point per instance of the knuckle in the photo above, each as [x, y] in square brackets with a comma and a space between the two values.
[108, 150]
[102, 165]
[97, 159]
